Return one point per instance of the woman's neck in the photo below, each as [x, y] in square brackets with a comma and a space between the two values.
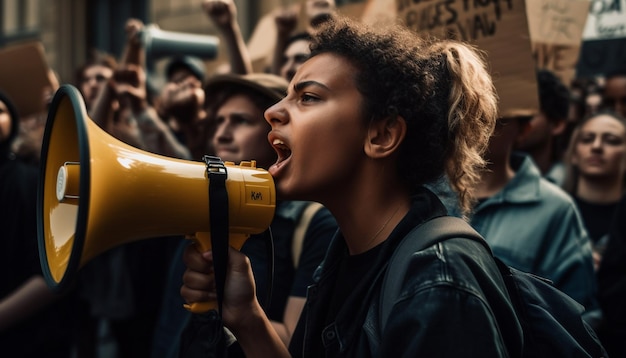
[366, 218]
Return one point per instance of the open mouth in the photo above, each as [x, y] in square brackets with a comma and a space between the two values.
[283, 151]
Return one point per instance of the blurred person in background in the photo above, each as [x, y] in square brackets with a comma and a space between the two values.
[542, 139]
[614, 94]
[530, 223]
[596, 168]
[34, 321]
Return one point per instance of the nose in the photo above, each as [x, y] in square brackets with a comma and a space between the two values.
[276, 114]
[223, 132]
[596, 145]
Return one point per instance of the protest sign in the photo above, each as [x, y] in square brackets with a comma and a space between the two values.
[604, 39]
[498, 27]
[24, 75]
[556, 29]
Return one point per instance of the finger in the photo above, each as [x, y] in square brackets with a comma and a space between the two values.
[193, 259]
[198, 281]
[237, 261]
[191, 295]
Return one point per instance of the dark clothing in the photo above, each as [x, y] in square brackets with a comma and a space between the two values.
[612, 286]
[124, 285]
[597, 219]
[288, 280]
[18, 198]
[43, 334]
[453, 304]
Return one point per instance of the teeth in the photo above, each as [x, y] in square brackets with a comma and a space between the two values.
[278, 142]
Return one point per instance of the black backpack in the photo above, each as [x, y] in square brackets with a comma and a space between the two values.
[551, 321]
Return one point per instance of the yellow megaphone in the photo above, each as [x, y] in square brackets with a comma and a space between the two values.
[96, 192]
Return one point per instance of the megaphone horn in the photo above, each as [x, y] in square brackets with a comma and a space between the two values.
[96, 192]
[160, 43]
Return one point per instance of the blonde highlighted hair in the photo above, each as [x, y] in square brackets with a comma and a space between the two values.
[471, 117]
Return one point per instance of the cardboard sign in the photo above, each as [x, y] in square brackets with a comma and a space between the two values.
[24, 75]
[604, 39]
[379, 12]
[556, 29]
[498, 27]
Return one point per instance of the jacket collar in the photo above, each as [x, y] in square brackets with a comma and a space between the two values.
[523, 188]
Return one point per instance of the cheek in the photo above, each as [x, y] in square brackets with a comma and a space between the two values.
[618, 156]
[328, 156]
[576, 154]
[254, 144]
[582, 149]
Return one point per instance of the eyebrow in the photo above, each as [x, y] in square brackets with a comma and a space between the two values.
[301, 85]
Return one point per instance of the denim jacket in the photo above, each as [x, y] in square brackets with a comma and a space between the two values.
[453, 303]
[535, 226]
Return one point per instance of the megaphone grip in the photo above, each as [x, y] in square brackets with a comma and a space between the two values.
[201, 307]
[203, 244]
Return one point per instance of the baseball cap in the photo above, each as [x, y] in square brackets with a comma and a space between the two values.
[272, 86]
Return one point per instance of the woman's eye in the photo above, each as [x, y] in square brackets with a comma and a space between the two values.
[305, 97]
[613, 140]
[586, 139]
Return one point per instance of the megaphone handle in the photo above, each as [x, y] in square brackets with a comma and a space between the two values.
[203, 242]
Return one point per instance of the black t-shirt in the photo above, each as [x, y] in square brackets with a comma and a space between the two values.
[351, 270]
[612, 286]
[288, 281]
[596, 217]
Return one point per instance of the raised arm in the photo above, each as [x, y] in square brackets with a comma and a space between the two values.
[286, 21]
[223, 13]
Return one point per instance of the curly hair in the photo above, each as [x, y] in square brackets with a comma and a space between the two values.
[441, 88]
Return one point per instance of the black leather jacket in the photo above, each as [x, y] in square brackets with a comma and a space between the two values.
[453, 305]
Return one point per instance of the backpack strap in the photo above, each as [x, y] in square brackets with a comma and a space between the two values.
[300, 231]
[422, 236]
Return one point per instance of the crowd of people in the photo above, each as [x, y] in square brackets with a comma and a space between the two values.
[367, 132]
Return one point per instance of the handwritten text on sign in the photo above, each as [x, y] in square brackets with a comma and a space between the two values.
[607, 20]
[556, 28]
[466, 20]
[498, 27]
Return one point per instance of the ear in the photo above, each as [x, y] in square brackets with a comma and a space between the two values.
[385, 136]
[524, 130]
[559, 127]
